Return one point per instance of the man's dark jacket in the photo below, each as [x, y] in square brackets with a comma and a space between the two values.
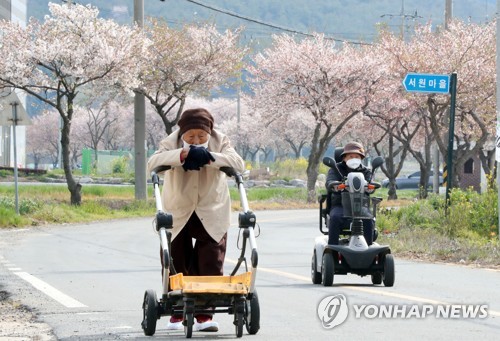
[333, 175]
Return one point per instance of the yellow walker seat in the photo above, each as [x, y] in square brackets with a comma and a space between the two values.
[231, 285]
[189, 295]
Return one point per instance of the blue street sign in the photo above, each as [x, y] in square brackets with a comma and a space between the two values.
[421, 82]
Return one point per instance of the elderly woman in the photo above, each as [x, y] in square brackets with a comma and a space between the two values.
[195, 192]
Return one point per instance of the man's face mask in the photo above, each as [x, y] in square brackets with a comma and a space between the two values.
[353, 163]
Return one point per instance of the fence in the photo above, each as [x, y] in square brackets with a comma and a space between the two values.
[108, 161]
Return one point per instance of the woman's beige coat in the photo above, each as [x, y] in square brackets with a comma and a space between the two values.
[205, 191]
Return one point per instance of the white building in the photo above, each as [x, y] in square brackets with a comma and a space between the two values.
[15, 11]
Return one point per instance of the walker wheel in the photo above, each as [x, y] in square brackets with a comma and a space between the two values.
[252, 314]
[188, 318]
[239, 311]
[149, 313]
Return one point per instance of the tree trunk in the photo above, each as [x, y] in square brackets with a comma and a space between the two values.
[319, 146]
[312, 176]
[391, 168]
[74, 188]
[392, 193]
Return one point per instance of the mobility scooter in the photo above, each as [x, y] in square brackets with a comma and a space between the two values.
[353, 254]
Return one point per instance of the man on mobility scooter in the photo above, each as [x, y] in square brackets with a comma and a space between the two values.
[195, 191]
[352, 156]
[347, 213]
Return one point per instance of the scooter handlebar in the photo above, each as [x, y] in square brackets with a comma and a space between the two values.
[340, 185]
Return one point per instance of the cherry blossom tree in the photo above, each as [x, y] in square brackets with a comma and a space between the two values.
[98, 121]
[331, 84]
[248, 134]
[70, 50]
[468, 50]
[42, 140]
[195, 60]
[389, 112]
[293, 134]
[79, 139]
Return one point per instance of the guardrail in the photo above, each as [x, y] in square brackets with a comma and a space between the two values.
[26, 171]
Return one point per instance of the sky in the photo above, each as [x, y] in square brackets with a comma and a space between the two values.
[354, 20]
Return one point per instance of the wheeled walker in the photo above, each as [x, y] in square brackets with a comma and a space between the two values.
[352, 255]
[190, 295]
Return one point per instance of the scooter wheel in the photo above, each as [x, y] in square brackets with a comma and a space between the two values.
[377, 278]
[315, 275]
[389, 275]
[327, 269]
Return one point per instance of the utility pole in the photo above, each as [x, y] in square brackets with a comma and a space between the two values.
[498, 117]
[140, 123]
[403, 17]
[14, 125]
[447, 13]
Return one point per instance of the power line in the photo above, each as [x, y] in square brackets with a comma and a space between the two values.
[212, 8]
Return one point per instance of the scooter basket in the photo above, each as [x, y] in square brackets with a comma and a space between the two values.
[356, 205]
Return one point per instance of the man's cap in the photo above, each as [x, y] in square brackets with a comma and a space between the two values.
[354, 147]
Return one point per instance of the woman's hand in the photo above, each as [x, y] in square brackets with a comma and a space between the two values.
[197, 157]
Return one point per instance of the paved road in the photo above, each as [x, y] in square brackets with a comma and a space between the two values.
[91, 279]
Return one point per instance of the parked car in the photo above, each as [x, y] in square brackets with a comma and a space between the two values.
[412, 181]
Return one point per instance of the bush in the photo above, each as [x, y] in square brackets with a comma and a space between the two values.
[26, 206]
[294, 168]
[5, 173]
[120, 165]
[8, 217]
[470, 215]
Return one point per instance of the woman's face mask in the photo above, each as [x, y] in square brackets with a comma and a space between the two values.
[186, 145]
[195, 137]
[353, 163]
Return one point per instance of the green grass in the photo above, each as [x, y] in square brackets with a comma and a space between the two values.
[271, 193]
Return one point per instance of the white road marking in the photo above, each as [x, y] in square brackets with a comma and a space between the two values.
[14, 269]
[367, 290]
[49, 290]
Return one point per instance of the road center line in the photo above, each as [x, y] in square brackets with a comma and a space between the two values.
[366, 290]
[50, 291]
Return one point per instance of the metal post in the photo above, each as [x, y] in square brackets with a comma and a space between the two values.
[14, 124]
[435, 179]
[140, 123]
[451, 133]
[435, 162]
